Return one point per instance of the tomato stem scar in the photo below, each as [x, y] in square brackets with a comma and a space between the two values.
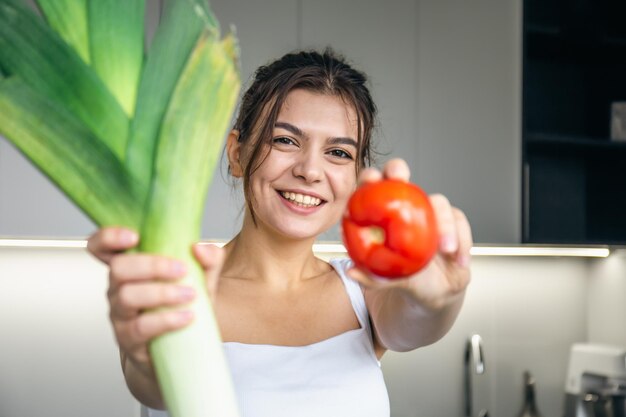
[373, 235]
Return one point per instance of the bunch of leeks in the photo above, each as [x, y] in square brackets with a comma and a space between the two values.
[132, 137]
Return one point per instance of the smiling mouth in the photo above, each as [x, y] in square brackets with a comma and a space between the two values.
[301, 200]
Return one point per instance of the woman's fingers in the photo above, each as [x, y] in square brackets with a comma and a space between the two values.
[144, 267]
[455, 240]
[139, 312]
[133, 335]
[368, 280]
[397, 169]
[446, 224]
[143, 292]
[465, 238]
[211, 259]
[130, 300]
[370, 175]
[110, 241]
[140, 281]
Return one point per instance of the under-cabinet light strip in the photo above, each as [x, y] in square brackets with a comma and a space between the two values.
[338, 248]
[583, 252]
[42, 243]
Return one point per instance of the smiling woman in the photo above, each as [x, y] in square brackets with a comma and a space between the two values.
[308, 165]
[302, 336]
[327, 75]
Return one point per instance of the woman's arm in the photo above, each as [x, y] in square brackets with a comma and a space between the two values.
[143, 387]
[419, 310]
[402, 324]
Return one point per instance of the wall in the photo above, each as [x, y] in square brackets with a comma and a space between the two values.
[528, 312]
[445, 75]
[607, 306]
[58, 355]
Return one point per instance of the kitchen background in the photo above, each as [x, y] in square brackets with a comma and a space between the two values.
[447, 76]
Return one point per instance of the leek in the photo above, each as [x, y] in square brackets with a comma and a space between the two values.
[69, 19]
[112, 23]
[41, 58]
[135, 147]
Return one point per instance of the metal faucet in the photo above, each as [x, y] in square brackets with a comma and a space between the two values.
[473, 353]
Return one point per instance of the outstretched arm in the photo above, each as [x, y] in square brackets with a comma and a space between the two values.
[419, 310]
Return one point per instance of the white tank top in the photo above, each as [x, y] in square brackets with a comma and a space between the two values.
[337, 377]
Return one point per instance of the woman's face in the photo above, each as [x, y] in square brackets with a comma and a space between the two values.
[302, 187]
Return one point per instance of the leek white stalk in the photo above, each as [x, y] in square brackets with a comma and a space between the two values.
[133, 141]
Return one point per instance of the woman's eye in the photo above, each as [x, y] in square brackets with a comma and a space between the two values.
[284, 140]
[340, 153]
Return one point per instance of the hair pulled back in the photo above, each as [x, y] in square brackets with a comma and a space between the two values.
[319, 72]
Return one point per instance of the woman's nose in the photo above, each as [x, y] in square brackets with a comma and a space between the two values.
[309, 167]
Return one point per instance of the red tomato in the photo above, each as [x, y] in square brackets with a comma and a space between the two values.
[390, 229]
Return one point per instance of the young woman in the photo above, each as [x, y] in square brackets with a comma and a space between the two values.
[302, 336]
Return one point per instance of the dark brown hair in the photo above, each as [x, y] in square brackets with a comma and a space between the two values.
[321, 72]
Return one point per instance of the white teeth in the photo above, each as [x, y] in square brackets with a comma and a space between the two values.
[301, 199]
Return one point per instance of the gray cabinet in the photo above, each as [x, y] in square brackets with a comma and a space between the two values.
[468, 110]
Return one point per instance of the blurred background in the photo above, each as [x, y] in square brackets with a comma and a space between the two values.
[504, 106]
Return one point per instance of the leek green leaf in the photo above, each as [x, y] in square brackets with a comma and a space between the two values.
[180, 27]
[69, 19]
[116, 39]
[68, 154]
[35, 53]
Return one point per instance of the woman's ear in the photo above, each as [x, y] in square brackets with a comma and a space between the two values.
[233, 149]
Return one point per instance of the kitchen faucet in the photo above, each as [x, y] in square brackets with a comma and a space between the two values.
[473, 354]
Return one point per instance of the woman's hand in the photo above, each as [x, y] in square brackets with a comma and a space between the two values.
[143, 291]
[432, 296]
[448, 273]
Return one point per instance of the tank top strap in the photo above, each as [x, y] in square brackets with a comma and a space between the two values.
[354, 290]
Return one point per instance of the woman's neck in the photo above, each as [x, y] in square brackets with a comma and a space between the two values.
[269, 258]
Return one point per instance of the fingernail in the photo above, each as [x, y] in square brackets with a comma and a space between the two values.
[464, 261]
[178, 268]
[448, 244]
[184, 316]
[186, 293]
[128, 237]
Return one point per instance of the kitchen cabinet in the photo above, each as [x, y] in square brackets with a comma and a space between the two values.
[574, 175]
[468, 110]
[447, 79]
[446, 76]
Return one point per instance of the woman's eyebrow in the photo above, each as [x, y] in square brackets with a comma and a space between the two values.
[332, 141]
[343, 141]
[293, 129]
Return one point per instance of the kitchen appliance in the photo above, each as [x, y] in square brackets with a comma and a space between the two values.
[596, 381]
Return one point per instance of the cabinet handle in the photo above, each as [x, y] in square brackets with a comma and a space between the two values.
[526, 188]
